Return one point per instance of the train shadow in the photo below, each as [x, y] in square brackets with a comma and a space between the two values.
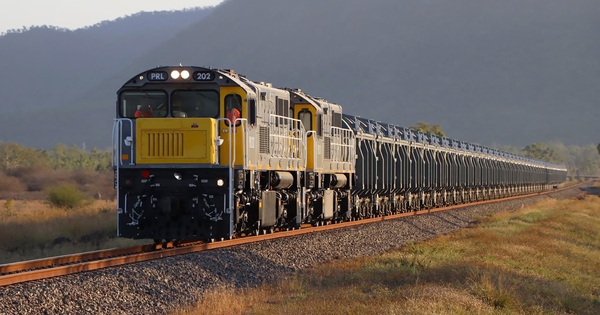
[442, 216]
[231, 267]
[592, 190]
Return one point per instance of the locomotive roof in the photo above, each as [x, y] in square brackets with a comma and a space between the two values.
[161, 74]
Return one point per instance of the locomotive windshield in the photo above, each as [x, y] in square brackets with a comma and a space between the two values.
[195, 103]
[143, 104]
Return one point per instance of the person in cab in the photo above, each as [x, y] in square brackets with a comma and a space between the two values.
[143, 111]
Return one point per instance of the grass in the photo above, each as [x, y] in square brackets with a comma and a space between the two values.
[538, 260]
[33, 229]
[35, 182]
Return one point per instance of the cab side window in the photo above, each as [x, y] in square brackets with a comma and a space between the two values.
[305, 117]
[233, 107]
[319, 125]
[336, 119]
[233, 101]
[252, 112]
[282, 107]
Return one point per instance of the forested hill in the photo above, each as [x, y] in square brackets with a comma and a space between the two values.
[46, 67]
[510, 71]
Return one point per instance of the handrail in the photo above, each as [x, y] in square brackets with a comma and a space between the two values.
[343, 145]
[117, 136]
[116, 154]
[287, 138]
[229, 209]
[113, 147]
[115, 165]
[244, 125]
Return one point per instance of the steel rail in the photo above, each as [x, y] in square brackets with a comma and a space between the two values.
[69, 259]
[71, 264]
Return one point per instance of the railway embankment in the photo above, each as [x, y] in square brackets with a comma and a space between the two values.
[540, 259]
[166, 285]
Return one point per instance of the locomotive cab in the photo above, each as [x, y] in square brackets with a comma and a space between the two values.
[205, 154]
[330, 157]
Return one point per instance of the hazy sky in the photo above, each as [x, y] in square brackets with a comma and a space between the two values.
[78, 13]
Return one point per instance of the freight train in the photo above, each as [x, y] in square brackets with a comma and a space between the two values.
[205, 154]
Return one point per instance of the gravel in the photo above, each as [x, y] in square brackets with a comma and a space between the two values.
[164, 285]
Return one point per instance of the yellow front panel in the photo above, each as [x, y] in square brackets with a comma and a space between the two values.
[175, 141]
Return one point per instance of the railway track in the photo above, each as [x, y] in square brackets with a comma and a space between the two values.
[70, 264]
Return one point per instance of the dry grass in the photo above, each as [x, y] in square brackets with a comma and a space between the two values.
[539, 260]
[30, 228]
[33, 229]
[33, 182]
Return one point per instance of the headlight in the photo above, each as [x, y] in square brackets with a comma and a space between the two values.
[185, 74]
[175, 74]
[177, 176]
[220, 182]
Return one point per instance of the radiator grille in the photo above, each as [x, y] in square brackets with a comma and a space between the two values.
[327, 148]
[164, 144]
[264, 140]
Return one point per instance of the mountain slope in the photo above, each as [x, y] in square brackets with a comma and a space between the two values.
[506, 71]
[46, 67]
[488, 71]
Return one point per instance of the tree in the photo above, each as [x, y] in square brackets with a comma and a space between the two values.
[426, 128]
[577, 159]
[437, 130]
[13, 155]
[598, 148]
[542, 152]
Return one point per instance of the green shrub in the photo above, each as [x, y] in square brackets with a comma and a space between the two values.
[65, 196]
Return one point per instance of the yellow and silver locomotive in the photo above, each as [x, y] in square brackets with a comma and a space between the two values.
[203, 154]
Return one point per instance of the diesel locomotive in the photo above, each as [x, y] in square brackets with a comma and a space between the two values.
[204, 154]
